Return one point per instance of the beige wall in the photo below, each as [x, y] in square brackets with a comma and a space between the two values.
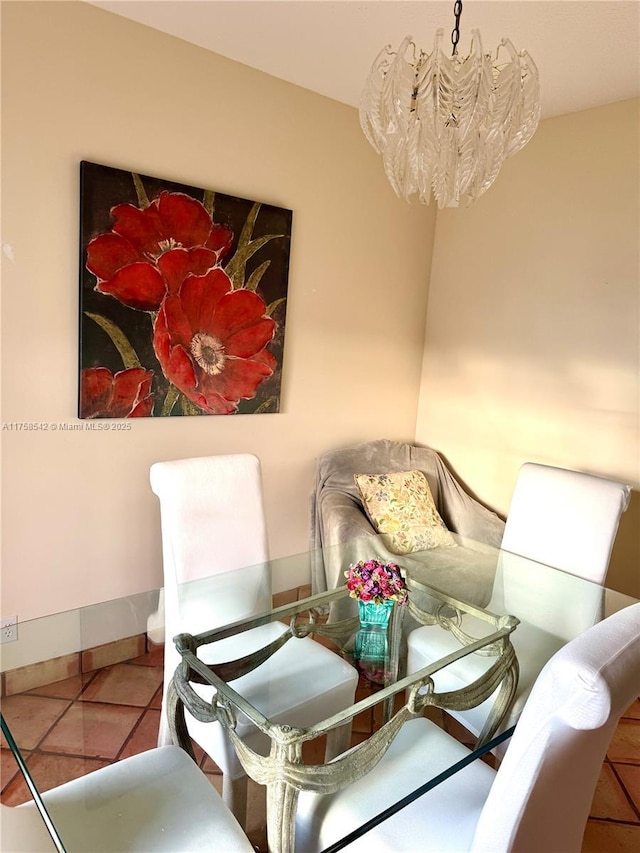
[533, 328]
[80, 523]
[532, 335]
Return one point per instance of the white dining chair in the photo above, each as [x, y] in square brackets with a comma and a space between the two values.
[158, 800]
[558, 518]
[540, 797]
[216, 571]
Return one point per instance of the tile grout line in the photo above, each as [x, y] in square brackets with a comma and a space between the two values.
[133, 730]
[52, 726]
[145, 709]
[37, 749]
[624, 789]
[614, 820]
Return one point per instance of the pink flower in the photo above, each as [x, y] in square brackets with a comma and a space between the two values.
[371, 580]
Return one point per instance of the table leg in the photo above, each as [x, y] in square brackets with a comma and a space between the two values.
[500, 708]
[282, 802]
[282, 798]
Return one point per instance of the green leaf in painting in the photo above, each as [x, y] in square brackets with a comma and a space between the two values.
[119, 340]
[187, 407]
[269, 405]
[169, 400]
[208, 202]
[143, 200]
[274, 305]
[256, 275]
[236, 268]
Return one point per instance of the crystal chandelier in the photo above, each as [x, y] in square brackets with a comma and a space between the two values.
[446, 124]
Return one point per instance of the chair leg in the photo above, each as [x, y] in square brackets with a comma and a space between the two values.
[234, 794]
[338, 741]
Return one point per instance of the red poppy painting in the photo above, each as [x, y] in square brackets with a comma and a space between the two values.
[182, 299]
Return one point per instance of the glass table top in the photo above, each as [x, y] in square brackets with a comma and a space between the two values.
[77, 648]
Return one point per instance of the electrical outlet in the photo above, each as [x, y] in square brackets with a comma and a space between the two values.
[9, 629]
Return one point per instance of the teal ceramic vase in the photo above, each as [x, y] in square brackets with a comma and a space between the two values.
[371, 645]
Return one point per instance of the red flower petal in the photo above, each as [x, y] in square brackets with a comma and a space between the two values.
[176, 364]
[220, 240]
[266, 358]
[103, 395]
[127, 387]
[175, 323]
[239, 379]
[96, 391]
[138, 286]
[180, 370]
[214, 404]
[142, 228]
[184, 218]
[108, 253]
[200, 297]
[202, 306]
[145, 385]
[251, 340]
[142, 409]
[177, 264]
[161, 339]
[235, 312]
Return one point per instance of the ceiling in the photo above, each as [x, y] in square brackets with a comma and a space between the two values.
[587, 51]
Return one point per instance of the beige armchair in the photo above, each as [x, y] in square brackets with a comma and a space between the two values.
[341, 532]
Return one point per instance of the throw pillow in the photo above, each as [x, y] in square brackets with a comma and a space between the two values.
[401, 508]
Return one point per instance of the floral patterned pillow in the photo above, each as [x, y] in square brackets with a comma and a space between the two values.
[401, 508]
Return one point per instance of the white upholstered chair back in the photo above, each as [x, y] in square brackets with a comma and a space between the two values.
[559, 603]
[216, 572]
[542, 793]
[212, 514]
[558, 518]
[214, 547]
[213, 521]
[565, 519]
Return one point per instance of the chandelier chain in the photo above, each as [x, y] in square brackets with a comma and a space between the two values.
[455, 33]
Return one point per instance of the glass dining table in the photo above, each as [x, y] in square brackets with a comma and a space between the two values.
[504, 591]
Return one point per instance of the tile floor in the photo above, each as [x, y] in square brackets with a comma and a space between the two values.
[71, 727]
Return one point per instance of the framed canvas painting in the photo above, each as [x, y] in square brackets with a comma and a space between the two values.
[183, 295]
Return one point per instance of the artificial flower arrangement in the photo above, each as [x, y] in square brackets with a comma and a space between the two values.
[376, 582]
